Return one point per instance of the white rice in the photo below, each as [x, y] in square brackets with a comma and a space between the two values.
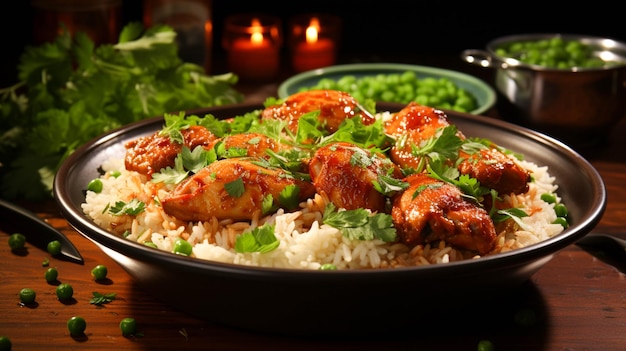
[304, 242]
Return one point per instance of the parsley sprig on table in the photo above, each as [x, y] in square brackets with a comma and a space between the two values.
[71, 91]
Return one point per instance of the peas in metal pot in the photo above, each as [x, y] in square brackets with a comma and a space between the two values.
[555, 52]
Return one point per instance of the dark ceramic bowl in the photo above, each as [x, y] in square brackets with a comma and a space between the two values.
[339, 302]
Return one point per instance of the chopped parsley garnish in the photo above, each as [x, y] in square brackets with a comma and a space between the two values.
[99, 299]
[267, 205]
[260, 239]
[169, 175]
[197, 159]
[442, 146]
[186, 162]
[133, 208]
[513, 213]
[236, 188]
[388, 185]
[360, 224]
[289, 197]
[352, 130]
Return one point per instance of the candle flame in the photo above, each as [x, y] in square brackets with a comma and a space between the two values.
[257, 35]
[312, 30]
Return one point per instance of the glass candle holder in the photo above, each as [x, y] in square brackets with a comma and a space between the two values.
[193, 23]
[100, 20]
[252, 43]
[314, 41]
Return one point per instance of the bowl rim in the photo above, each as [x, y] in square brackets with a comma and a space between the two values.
[374, 68]
[518, 257]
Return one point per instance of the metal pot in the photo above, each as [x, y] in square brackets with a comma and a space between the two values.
[577, 105]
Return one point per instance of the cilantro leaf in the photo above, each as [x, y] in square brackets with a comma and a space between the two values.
[443, 145]
[513, 213]
[360, 224]
[260, 239]
[99, 299]
[236, 188]
[169, 175]
[133, 208]
[197, 159]
[388, 185]
[289, 198]
[353, 130]
[71, 91]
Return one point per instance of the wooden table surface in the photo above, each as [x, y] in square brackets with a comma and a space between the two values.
[578, 300]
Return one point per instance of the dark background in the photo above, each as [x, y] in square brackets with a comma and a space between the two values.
[386, 30]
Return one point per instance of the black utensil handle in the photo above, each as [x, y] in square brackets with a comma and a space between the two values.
[16, 219]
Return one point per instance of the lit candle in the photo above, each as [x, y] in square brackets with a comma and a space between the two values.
[254, 56]
[314, 52]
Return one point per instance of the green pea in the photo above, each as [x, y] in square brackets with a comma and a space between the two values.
[182, 247]
[464, 103]
[51, 275]
[327, 84]
[76, 325]
[17, 241]
[548, 197]
[421, 99]
[115, 174]
[562, 221]
[27, 296]
[95, 185]
[65, 291]
[328, 267]
[560, 210]
[128, 326]
[388, 96]
[5, 343]
[150, 244]
[54, 247]
[99, 272]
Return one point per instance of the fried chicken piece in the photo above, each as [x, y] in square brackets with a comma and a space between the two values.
[215, 191]
[250, 145]
[495, 170]
[346, 172]
[334, 107]
[150, 154]
[410, 126]
[415, 124]
[430, 210]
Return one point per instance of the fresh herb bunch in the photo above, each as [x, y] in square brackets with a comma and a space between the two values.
[71, 91]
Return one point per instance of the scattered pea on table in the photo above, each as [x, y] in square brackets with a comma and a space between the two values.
[76, 325]
[17, 241]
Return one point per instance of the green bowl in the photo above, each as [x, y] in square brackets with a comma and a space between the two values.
[484, 94]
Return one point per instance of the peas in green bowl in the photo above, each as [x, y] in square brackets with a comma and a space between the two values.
[399, 83]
